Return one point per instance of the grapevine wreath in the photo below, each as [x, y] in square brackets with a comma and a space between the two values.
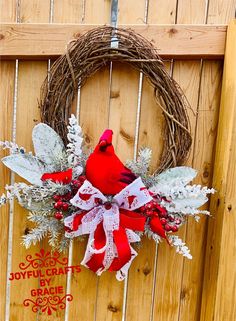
[74, 192]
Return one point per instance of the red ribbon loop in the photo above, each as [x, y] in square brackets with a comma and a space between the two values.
[123, 249]
[77, 220]
[96, 261]
[128, 219]
[132, 220]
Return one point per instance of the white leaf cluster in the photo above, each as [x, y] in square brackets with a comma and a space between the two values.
[50, 156]
[27, 166]
[13, 147]
[74, 147]
[140, 166]
[176, 176]
[175, 193]
[180, 246]
[33, 197]
[49, 148]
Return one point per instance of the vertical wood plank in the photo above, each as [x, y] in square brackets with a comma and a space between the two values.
[7, 71]
[93, 116]
[34, 11]
[188, 295]
[170, 265]
[8, 11]
[191, 275]
[7, 75]
[65, 11]
[72, 12]
[193, 12]
[30, 78]
[202, 161]
[219, 273]
[142, 278]
[93, 119]
[130, 12]
[122, 118]
[31, 75]
[209, 99]
[162, 11]
[221, 11]
[97, 11]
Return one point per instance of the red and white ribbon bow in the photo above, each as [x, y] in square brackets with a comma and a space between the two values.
[110, 224]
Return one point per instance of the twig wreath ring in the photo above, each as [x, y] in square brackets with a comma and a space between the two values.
[91, 52]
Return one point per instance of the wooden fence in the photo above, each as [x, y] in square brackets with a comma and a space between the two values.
[162, 286]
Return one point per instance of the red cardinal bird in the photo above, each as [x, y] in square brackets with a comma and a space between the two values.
[104, 169]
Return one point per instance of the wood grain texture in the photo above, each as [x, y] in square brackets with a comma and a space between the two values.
[34, 11]
[162, 11]
[8, 11]
[65, 11]
[218, 12]
[142, 282]
[84, 286]
[221, 11]
[7, 78]
[122, 120]
[122, 116]
[97, 11]
[192, 11]
[193, 234]
[7, 75]
[62, 12]
[30, 77]
[93, 117]
[49, 40]
[203, 157]
[170, 264]
[219, 273]
[140, 285]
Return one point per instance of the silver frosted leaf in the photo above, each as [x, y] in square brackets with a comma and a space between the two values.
[37, 206]
[193, 202]
[181, 174]
[26, 166]
[48, 147]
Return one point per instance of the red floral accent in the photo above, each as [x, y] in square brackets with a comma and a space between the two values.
[59, 177]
